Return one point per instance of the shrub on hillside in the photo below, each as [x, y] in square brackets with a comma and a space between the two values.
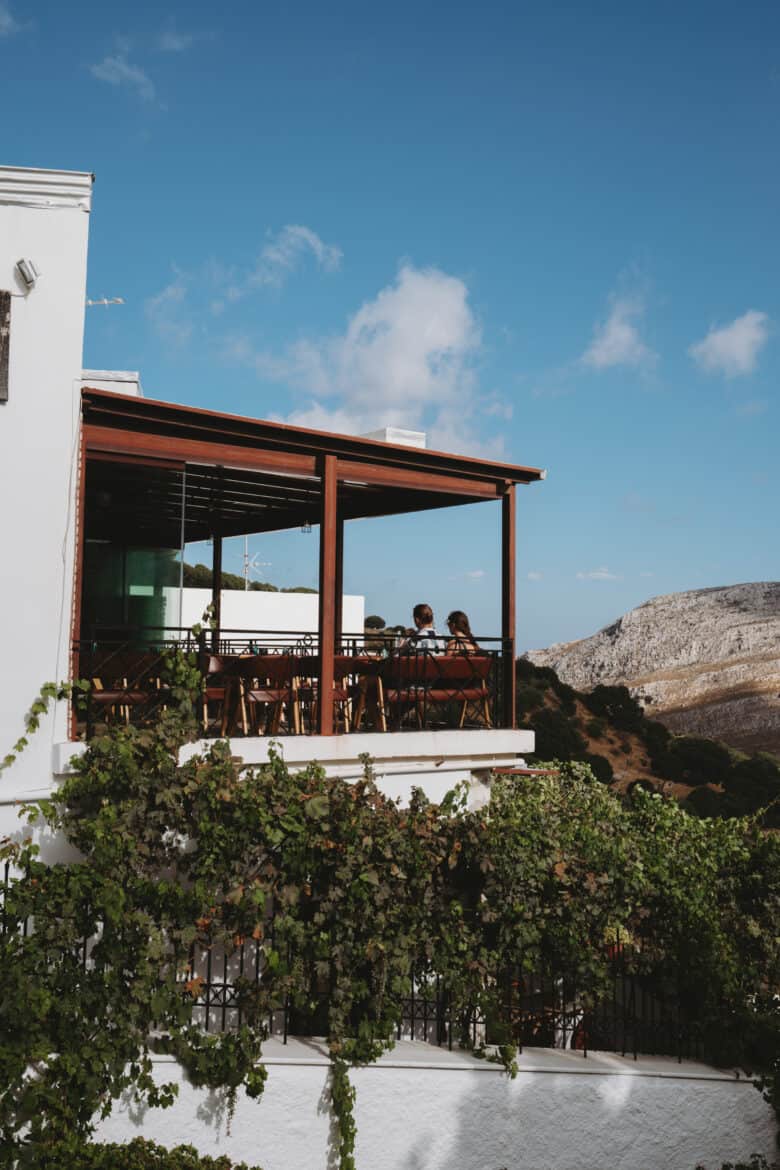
[557, 737]
[616, 705]
[528, 699]
[760, 775]
[656, 738]
[567, 696]
[705, 802]
[138, 1154]
[640, 785]
[600, 767]
[596, 727]
[703, 761]
[543, 677]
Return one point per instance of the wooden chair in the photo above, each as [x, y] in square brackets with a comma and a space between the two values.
[368, 693]
[119, 685]
[403, 685]
[345, 668]
[462, 678]
[270, 681]
[219, 691]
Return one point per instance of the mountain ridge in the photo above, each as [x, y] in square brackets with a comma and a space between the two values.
[703, 662]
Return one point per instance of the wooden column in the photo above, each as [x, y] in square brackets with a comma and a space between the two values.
[339, 582]
[78, 577]
[508, 613]
[216, 589]
[327, 618]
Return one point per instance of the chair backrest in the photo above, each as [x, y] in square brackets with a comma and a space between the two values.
[347, 664]
[411, 670]
[121, 667]
[224, 664]
[463, 668]
[279, 669]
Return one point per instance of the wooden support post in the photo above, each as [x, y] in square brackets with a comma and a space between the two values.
[327, 618]
[508, 613]
[339, 583]
[78, 577]
[216, 590]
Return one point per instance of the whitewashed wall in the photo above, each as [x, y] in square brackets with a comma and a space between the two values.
[423, 1108]
[44, 217]
[254, 610]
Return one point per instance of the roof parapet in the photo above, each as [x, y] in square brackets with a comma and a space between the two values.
[44, 189]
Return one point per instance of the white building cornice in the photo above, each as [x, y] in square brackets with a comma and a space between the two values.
[32, 187]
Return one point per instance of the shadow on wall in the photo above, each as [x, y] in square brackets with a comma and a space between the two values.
[572, 1113]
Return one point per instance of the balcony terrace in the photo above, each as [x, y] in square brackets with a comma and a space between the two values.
[156, 476]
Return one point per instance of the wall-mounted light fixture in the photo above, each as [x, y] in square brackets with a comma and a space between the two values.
[28, 272]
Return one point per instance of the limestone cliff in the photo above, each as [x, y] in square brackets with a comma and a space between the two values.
[706, 662]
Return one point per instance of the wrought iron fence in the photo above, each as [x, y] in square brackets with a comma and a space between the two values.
[537, 1006]
[259, 682]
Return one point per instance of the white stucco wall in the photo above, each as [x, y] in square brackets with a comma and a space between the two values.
[254, 610]
[424, 1108]
[44, 217]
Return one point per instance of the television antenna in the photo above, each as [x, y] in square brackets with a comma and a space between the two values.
[251, 564]
[105, 301]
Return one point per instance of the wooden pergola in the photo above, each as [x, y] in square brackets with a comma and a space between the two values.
[211, 475]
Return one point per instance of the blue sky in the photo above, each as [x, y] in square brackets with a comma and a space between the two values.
[544, 233]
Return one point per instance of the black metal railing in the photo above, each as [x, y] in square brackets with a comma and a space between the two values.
[537, 1006]
[259, 682]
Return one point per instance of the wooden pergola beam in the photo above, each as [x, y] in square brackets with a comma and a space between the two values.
[120, 442]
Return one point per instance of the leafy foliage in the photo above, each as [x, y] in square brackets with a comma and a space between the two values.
[616, 705]
[744, 785]
[374, 622]
[557, 736]
[139, 1154]
[201, 577]
[199, 850]
[600, 766]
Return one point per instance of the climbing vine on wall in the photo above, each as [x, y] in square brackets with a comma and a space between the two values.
[175, 852]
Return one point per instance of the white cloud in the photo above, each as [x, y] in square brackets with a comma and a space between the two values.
[616, 341]
[475, 574]
[534, 575]
[753, 408]
[165, 311]
[171, 41]
[405, 359]
[647, 574]
[8, 22]
[733, 349]
[286, 250]
[117, 70]
[602, 574]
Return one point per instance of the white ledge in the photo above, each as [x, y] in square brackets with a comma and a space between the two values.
[411, 1054]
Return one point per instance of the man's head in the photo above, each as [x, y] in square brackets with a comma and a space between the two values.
[423, 615]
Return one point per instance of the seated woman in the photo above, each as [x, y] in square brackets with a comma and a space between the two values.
[461, 639]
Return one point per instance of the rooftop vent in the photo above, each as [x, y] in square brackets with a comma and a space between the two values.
[397, 435]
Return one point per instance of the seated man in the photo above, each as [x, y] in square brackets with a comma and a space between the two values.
[423, 637]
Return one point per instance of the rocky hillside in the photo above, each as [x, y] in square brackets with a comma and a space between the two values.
[705, 662]
[607, 729]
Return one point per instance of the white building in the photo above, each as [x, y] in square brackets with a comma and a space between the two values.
[420, 1107]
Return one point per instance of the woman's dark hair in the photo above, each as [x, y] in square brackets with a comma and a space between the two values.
[460, 622]
[423, 613]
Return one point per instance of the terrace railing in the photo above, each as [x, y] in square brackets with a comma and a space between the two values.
[260, 682]
[535, 1005]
